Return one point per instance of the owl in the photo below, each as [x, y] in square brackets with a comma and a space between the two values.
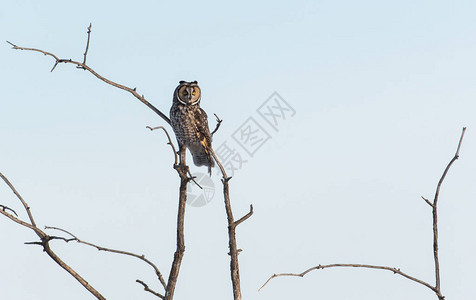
[190, 124]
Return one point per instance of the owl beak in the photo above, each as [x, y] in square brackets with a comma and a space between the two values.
[189, 94]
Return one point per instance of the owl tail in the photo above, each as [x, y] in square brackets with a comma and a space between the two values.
[203, 159]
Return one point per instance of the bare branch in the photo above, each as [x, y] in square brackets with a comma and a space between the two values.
[183, 171]
[5, 208]
[82, 65]
[192, 178]
[218, 124]
[100, 248]
[62, 230]
[147, 289]
[245, 217]
[427, 201]
[394, 270]
[169, 142]
[440, 182]
[25, 205]
[234, 251]
[87, 45]
[45, 239]
[38, 231]
[435, 216]
[33, 243]
[179, 252]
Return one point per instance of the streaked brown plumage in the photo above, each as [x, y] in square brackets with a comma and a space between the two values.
[190, 123]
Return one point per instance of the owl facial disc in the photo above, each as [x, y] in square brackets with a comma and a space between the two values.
[188, 93]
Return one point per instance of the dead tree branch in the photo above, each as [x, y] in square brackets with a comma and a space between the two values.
[84, 66]
[87, 46]
[100, 248]
[437, 287]
[45, 239]
[5, 208]
[435, 217]
[168, 143]
[320, 267]
[218, 124]
[234, 251]
[147, 289]
[182, 170]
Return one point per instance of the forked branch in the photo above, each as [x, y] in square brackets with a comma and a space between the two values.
[434, 205]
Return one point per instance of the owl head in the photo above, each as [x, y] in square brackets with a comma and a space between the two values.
[188, 93]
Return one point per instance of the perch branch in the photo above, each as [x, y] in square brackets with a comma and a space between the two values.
[84, 66]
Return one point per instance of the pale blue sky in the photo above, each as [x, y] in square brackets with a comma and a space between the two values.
[381, 92]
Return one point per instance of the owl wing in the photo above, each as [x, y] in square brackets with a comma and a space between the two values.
[201, 125]
[204, 136]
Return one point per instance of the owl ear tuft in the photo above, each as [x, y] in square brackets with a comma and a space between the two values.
[194, 82]
[182, 81]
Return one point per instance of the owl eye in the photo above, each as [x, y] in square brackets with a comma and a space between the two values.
[193, 93]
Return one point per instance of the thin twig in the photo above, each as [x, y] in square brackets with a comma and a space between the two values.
[218, 124]
[147, 289]
[169, 142]
[5, 208]
[192, 178]
[427, 201]
[87, 45]
[245, 217]
[62, 230]
[394, 270]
